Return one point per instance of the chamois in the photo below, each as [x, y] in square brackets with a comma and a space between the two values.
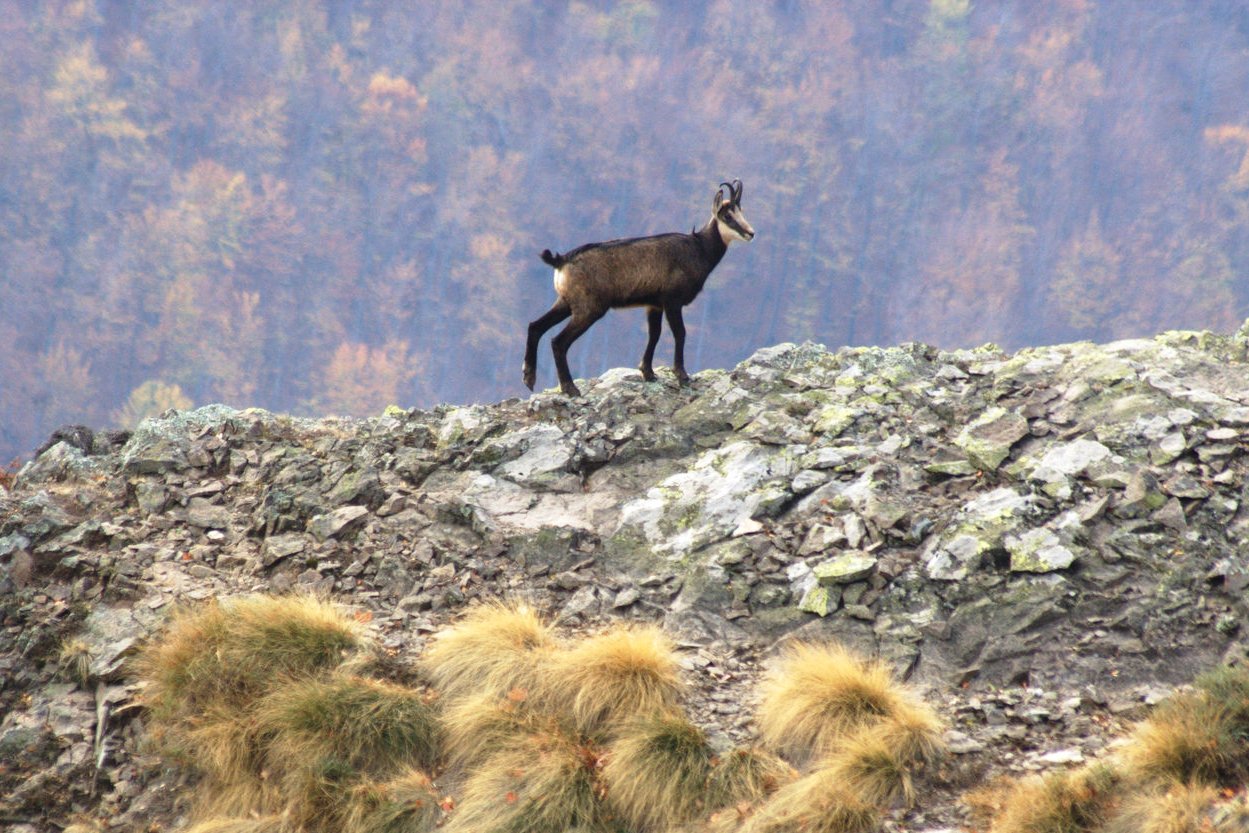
[662, 273]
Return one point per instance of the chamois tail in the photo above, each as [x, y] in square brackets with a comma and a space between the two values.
[556, 260]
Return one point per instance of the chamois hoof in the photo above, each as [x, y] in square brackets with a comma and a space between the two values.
[647, 374]
[683, 378]
[570, 389]
[529, 376]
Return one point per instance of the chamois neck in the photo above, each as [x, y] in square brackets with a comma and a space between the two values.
[712, 240]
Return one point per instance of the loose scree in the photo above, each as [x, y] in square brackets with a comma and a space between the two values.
[663, 273]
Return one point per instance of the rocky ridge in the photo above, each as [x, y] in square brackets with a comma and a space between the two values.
[1048, 541]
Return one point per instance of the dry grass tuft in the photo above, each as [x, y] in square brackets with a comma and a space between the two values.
[872, 769]
[372, 726]
[407, 804]
[225, 744]
[1228, 685]
[747, 776]
[879, 761]
[815, 803]
[547, 782]
[656, 772]
[251, 798]
[728, 819]
[816, 695]
[74, 661]
[252, 824]
[1180, 809]
[606, 680]
[231, 651]
[1190, 738]
[914, 731]
[1080, 801]
[494, 648]
[478, 726]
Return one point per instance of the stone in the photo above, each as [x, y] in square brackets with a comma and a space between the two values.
[1060, 757]
[1141, 494]
[1168, 448]
[820, 600]
[987, 441]
[833, 420]
[626, 597]
[807, 480]
[202, 513]
[1070, 459]
[544, 453]
[277, 547]
[1184, 485]
[845, 569]
[1171, 515]
[977, 529]
[1038, 551]
[723, 488]
[337, 523]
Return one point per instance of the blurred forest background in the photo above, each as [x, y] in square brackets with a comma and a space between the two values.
[328, 207]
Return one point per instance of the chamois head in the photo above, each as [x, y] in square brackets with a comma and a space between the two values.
[727, 211]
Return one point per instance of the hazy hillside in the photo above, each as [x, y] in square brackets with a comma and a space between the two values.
[331, 207]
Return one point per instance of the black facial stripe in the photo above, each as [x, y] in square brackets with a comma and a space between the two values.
[733, 224]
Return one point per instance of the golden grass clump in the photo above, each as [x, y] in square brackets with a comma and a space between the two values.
[249, 797]
[478, 726]
[545, 783]
[74, 661]
[1079, 801]
[747, 776]
[1228, 685]
[249, 824]
[232, 650]
[1181, 809]
[407, 804]
[873, 770]
[494, 647]
[1190, 738]
[656, 772]
[878, 762]
[727, 819]
[224, 743]
[815, 803]
[606, 680]
[816, 695]
[372, 726]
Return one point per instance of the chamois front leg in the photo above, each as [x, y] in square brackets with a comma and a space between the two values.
[560, 344]
[654, 325]
[537, 328]
[677, 325]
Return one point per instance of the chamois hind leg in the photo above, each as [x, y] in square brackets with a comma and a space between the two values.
[677, 325]
[560, 344]
[654, 323]
[553, 316]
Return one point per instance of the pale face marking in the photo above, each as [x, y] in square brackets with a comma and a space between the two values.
[729, 231]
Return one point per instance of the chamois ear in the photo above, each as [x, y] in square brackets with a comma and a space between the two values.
[717, 200]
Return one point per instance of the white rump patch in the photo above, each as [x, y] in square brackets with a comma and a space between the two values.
[560, 280]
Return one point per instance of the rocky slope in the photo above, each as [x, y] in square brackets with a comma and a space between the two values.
[1048, 541]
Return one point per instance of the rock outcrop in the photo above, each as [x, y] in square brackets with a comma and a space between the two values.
[1069, 519]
